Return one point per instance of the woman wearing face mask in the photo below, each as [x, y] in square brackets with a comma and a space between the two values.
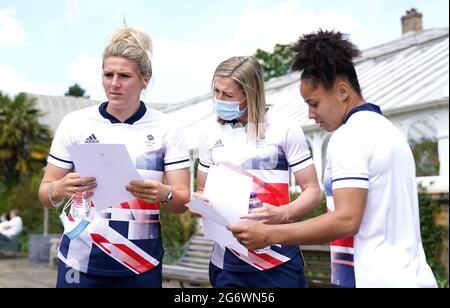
[373, 217]
[121, 247]
[255, 141]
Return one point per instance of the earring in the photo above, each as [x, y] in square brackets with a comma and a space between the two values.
[143, 93]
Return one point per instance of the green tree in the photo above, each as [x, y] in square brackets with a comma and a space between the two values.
[24, 142]
[277, 63]
[426, 156]
[76, 91]
[433, 234]
[24, 197]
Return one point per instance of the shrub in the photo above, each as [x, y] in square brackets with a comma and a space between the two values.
[432, 233]
[321, 209]
[426, 156]
[24, 197]
[176, 231]
[432, 237]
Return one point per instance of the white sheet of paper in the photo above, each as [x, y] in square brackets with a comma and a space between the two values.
[207, 212]
[113, 168]
[228, 193]
[222, 236]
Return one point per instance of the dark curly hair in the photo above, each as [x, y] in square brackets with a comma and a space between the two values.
[324, 56]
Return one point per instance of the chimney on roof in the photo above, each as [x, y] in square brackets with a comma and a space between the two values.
[412, 21]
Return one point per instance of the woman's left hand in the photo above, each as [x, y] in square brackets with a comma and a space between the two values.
[149, 191]
[269, 214]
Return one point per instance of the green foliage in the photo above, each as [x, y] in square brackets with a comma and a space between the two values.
[24, 142]
[76, 91]
[24, 197]
[321, 209]
[277, 63]
[432, 236]
[196, 163]
[426, 156]
[176, 231]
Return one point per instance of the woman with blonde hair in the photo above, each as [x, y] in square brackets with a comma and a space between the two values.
[121, 245]
[255, 141]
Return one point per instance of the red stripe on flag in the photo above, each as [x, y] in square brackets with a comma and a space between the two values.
[279, 192]
[145, 265]
[138, 205]
[267, 196]
[260, 267]
[343, 262]
[125, 205]
[142, 205]
[249, 260]
[345, 242]
[132, 267]
[98, 239]
[267, 258]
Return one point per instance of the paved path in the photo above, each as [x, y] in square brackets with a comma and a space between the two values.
[16, 273]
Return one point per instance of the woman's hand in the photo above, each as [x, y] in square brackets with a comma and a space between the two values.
[269, 214]
[149, 191]
[198, 195]
[73, 184]
[251, 234]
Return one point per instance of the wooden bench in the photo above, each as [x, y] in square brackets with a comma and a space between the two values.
[11, 247]
[317, 265]
[193, 266]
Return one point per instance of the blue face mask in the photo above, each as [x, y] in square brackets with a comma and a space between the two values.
[81, 213]
[229, 110]
[73, 230]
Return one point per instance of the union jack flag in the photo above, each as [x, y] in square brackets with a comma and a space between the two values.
[142, 222]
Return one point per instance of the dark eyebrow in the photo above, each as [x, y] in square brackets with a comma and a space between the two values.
[311, 101]
[224, 92]
[119, 73]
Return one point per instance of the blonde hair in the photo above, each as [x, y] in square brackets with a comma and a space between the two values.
[248, 74]
[133, 45]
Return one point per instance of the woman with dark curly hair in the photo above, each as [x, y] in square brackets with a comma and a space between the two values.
[373, 214]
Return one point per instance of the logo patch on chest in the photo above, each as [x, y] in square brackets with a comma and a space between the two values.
[151, 141]
[92, 139]
[218, 144]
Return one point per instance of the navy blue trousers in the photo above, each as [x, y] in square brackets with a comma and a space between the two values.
[288, 275]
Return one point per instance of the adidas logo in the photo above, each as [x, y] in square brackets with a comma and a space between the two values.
[218, 144]
[91, 140]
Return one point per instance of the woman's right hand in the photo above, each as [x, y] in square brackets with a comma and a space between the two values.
[72, 184]
[198, 195]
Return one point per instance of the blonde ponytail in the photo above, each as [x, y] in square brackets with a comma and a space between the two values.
[133, 45]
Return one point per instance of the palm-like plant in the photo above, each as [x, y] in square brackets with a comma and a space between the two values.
[24, 142]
